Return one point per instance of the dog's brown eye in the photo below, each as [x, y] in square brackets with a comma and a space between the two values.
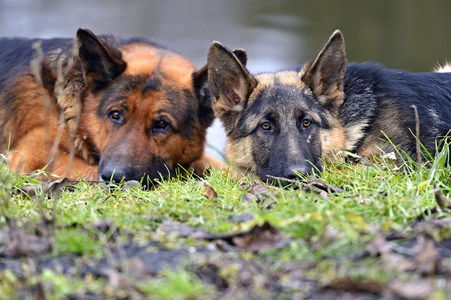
[306, 123]
[116, 117]
[266, 126]
[160, 126]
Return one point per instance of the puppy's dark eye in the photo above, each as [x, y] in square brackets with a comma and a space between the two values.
[306, 123]
[266, 126]
[161, 126]
[116, 117]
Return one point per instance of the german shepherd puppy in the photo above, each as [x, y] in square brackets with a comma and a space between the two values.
[100, 107]
[282, 124]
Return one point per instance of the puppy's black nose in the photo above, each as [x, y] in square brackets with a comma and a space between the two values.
[293, 172]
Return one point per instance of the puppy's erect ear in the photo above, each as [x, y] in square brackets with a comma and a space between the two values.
[101, 62]
[202, 89]
[241, 55]
[324, 75]
[230, 82]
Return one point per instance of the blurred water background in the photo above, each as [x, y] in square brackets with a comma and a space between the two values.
[403, 34]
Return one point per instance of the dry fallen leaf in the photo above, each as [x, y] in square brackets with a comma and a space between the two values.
[428, 258]
[55, 187]
[358, 286]
[115, 278]
[19, 243]
[210, 274]
[410, 291]
[363, 160]
[138, 268]
[443, 202]
[378, 246]
[210, 193]
[40, 293]
[314, 181]
[183, 230]
[256, 239]
[260, 194]
[28, 191]
[52, 188]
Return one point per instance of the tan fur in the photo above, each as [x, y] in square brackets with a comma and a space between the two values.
[353, 134]
[239, 153]
[333, 141]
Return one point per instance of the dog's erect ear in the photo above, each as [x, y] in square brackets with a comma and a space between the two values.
[203, 95]
[241, 55]
[324, 75]
[101, 63]
[230, 82]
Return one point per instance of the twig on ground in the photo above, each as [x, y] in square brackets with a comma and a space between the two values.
[417, 132]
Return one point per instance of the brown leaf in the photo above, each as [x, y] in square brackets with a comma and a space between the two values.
[115, 278]
[28, 191]
[358, 286]
[138, 268]
[210, 193]
[26, 245]
[183, 230]
[259, 189]
[40, 292]
[410, 291]
[55, 187]
[256, 239]
[378, 246]
[443, 202]
[428, 258]
[312, 180]
[306, 187]
[395, 261]
[361, 160]
[18, 243]
[260, 194]
[104, 226]
[210, 274]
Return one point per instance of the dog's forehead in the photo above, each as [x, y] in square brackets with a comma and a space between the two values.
[148, 93]
[148, 59]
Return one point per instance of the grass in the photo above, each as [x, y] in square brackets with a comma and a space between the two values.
[327, 237]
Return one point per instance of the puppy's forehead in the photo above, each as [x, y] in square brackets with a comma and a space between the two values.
[284, 95]
[280, 86]
[287, 78]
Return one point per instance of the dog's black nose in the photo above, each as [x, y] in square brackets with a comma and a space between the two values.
[115, 173]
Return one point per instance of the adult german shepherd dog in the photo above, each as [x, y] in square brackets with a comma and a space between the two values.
[101, 107]
[282, 124]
